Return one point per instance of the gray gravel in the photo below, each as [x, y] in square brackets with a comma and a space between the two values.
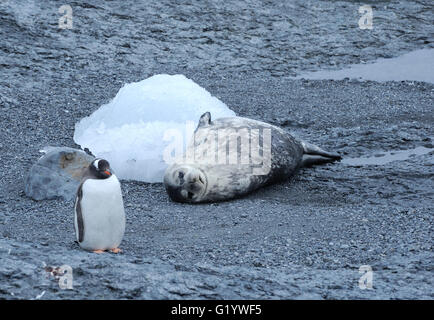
[305, 238]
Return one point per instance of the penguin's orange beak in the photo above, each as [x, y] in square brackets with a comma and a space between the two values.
[108, 173]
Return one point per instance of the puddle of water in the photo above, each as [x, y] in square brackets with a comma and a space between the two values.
[386, 157]
[417, 65]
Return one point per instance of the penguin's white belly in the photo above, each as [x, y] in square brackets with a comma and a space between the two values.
[103, 214]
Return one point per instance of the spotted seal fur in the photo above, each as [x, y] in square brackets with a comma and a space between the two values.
[230, 157]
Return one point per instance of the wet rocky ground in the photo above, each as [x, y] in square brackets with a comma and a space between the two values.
[305, 238]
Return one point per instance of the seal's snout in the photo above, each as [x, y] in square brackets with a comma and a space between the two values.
[185, 184]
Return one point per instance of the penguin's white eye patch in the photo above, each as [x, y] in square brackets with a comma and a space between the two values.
[96, 163]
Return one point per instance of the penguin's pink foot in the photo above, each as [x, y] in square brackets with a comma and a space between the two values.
[116, 250]
[98, 251]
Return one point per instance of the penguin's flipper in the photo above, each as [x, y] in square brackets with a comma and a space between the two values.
[80, 223]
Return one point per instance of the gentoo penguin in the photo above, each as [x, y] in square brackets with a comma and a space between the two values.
[99, 217]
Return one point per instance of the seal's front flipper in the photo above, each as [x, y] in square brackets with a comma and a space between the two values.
[312, 149]
[310, 160]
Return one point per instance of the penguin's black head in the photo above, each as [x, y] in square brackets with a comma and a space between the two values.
[100, 168]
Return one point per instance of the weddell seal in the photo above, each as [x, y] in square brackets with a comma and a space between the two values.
[230, 157]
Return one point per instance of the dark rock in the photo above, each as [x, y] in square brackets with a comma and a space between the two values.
[57, 174]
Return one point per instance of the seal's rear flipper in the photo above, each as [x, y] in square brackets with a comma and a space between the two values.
[310, 160]
[311, 149]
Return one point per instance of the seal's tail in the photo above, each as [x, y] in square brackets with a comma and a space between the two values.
[315, 155]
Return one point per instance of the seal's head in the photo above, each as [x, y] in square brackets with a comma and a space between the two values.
[185, 183]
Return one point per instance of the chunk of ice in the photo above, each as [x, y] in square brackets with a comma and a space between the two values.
[129, 131]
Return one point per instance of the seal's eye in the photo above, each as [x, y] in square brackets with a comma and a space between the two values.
[181, 175]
